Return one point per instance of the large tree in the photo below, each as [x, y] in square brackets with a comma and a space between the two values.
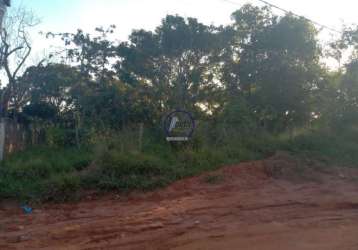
[276, 64]
[174, 63]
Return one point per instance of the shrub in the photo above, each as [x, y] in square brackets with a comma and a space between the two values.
[28, 175]
[117, 170]
[60, 188]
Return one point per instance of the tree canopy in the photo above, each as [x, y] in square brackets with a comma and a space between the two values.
[262, 68]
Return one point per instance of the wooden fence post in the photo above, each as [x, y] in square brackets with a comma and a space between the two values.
[77, 128]
[141, 131]
[2, 138]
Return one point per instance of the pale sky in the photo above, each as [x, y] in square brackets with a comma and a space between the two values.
[68, 15]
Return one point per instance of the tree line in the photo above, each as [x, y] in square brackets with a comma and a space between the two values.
[263, 70]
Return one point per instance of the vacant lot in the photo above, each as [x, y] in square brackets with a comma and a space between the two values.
[278, 203]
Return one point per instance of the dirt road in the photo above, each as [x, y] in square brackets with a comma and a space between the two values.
[266, 205]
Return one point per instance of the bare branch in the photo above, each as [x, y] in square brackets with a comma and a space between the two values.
[15, 50]
[23, 60]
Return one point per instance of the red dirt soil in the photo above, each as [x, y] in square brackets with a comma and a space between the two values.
[266, 205]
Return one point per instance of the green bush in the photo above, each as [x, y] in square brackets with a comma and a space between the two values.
[120, 164]
[117, 170]
[339, 146]
[58, 174]
[22, 189]
[32, 169]
[27, 175]
[60, 137]
[61, 188]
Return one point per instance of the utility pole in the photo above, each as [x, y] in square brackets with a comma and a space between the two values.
[3, 6]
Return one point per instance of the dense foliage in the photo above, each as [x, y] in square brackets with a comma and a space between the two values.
[254, 86]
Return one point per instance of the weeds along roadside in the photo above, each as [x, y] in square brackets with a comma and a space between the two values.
[56, 173]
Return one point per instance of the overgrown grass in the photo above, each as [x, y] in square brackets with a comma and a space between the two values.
[337, 147]
[52, 174]
[55, 174]
[41, 173]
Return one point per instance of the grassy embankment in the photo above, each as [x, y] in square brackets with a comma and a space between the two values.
[58, 174]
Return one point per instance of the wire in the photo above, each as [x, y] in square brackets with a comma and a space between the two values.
[289, 12]
[292, 13]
